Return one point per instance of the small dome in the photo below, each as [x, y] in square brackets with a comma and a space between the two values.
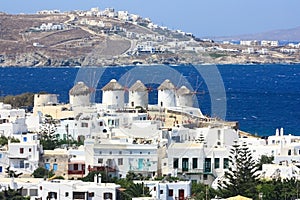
[166, 85]
[80, 89]
[113, 85]
[138, 86]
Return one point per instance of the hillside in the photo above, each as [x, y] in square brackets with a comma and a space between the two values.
[109, 37]
[68, 39]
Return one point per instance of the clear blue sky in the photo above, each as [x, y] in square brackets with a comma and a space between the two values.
[201, 17]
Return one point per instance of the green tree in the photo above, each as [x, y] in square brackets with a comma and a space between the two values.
[240, 179]
[41, 172]
[136, 190]
[17, 101]
[201, 191]
[4, 140]
[264, 159]
[10, 194]
[49, 141]
[91, 175]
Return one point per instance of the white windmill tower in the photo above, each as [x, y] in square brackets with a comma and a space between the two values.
[113, 95]
[79, 95]
[138, 95]
[166, 94]
[184, 97]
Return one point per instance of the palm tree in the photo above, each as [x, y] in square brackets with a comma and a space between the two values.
[137, 190]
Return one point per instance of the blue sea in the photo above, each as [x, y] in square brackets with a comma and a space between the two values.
[260, 97]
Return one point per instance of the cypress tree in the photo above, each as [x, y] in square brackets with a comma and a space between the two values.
[240, 179]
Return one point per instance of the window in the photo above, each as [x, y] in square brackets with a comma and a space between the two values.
[66, 194]
[47, 166]
[195, 163]
[29, 149]
[33, 192]
[185, 164]
[175, 163]
[120, 161]
[207, 165]
[26, 165]
[84, 124]
[217, 163]
[154, 189]
[52, 195]
[219, 134]
[75, 166]
[204, 176]
[0, 155]
[21, 150]
[120, 152]
[289, 152]
[171, 192]
[91, 194]
[226, 163]
[161, 191]
[1, 169]
[100, 160]
[108, 195]
[78, 195]
[24, 139]
[110, 152]
[24, 192]
[55, 167]
[101, 123]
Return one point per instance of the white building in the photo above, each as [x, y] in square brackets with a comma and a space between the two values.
[3, 161]
[80, 95]
[119, 157]
[72, 189]
[271, 43]
[284, 171]
[168, 190]
[249, 42]
[284, 148]
[166, 94]
[12, 121]
[29, 186]
[82, 126]
[138, 95]
[113, 95]
[25, 156]
[202, 155]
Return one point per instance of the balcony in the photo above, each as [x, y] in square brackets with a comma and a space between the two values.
[76, 172]
[190, 171]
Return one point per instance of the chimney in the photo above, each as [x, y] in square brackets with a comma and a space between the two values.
[281, 131]
[97, 178]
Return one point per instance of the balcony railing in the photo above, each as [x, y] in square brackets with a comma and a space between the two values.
[76, 172]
